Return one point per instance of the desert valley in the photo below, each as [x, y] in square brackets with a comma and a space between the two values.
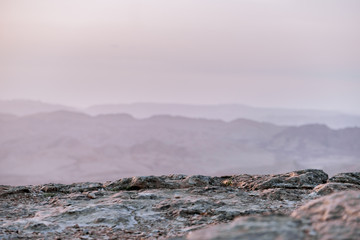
[67, 145]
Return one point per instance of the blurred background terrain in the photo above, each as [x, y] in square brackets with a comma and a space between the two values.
[53, 143]
[94, 90]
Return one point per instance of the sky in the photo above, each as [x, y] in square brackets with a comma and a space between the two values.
[269, 53]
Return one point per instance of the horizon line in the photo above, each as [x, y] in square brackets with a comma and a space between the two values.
[84, 107]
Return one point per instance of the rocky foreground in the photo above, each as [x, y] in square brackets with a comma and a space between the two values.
[297, 205]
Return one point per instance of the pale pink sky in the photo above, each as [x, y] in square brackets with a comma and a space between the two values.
[280, 53]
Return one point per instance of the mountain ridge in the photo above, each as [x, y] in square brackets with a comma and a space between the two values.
[67, 146]
[226, 112]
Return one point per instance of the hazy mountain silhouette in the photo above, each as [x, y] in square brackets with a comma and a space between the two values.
[226, 112]
[229, 112]
[68, 146]
[26, 107]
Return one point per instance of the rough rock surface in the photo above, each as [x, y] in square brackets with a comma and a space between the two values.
[249, 228]
[336, 216]
[307, 179]
[283, 206]
[353, 177]
[331, 187]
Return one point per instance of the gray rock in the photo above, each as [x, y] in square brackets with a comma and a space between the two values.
[121, 184]
[7, 190]
[72, 188]
[162, 207]
[174, 181]
[351, 177]
[331, 187]
[335, 216]
[39, 227]
[85, 187]
[91, 195]
[198, 181]
[306, 179]
[55, 188]
[281, 194]
[149, 182]
[259, 228]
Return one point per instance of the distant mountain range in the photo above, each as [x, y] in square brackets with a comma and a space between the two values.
[226, 112]
[27, 107]
[64, 146]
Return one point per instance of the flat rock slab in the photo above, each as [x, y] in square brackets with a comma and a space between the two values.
[163, 207]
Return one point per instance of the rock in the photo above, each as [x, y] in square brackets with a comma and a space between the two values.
[85, 187]
[260, 228]
[306, 179]
[72, 188]
[149, 182]
[147, 195]
[281, 194]
[163, 207]
[351, 177]
[303, 179]
[331, 187]
[34, 226]
[121, 184]
[7, 190]
[335, 216]
[91, 195]
[55, 188]
[197, 180]
[173, 181]
[175, 176]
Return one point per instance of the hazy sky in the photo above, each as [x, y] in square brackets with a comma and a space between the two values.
[283, 53]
